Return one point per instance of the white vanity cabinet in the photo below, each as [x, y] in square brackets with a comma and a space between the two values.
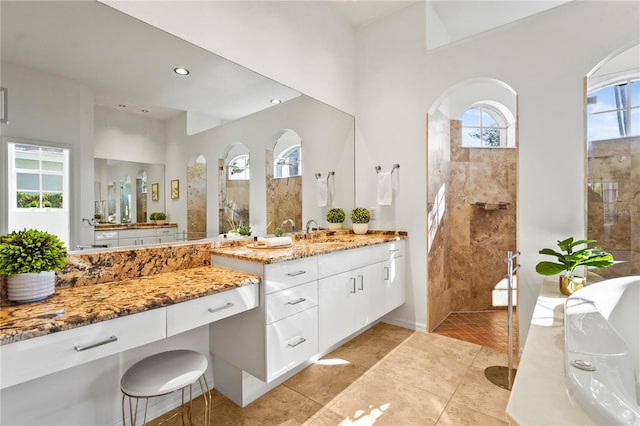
[135, 236]
[357, 290]
[307, 306]
[283, 332]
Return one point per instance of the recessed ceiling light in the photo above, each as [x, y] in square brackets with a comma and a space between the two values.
[144, 110]
[275, 101]
[181, 71]
[122, 106]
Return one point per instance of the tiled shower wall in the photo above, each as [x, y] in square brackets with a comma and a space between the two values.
[438, 271]
[466, 258]
[284, 198]
[614, 202]
[196, 201]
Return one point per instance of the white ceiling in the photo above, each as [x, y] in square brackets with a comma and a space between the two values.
[134, 65]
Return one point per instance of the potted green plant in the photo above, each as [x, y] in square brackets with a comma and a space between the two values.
[278, 232]
[244, 230]
[360, 218]
[335, 217]
[569, 260]
[159, 218]
[30, 258]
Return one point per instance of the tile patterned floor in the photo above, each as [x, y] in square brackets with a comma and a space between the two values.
[486, 328]
[386, 376]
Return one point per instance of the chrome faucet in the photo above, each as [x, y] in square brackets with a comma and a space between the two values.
[293, 224]
[309, 222]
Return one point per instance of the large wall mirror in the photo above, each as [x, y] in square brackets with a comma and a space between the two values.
[613, 161]
[87, 76]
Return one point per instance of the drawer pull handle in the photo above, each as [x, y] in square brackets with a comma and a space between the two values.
[80, 348]
[219, 308]
[386, 273]
[394, 250]
[361, 279]
[296, 273]
[295, 302]
[299, 342]
[353, 283]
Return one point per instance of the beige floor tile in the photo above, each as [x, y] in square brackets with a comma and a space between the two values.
[327, 417]
[440, 346]
[456, 414]
[488, 357]
[366, 350]
[377, 398]
[322, 382]
[437, 373]
[477, 393]
[281, 406]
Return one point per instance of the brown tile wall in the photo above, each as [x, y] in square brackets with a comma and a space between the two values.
[480, 238]
[438, 268]
[465, 259]
[284, 198]
[618, 229]
[196, 201]
[234, 198]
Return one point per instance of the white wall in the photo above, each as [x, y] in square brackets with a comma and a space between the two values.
[48, 109]
[544, 58]
[298, 43]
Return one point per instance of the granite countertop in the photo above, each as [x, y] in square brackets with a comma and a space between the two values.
[304, 245]
[79, 305]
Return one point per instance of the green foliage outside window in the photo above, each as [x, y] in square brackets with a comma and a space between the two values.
[49, 199]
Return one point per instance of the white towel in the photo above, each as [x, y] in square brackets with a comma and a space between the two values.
[279, 241]
[323, 191]
[385, 189]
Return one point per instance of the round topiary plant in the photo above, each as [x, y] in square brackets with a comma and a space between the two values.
[31, 251]
[360, 215]
[336, 215]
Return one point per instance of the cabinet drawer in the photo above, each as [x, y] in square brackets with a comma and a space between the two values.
[392, 250]
[137, 233]
[44, 355]
[204, 310]
[291, 341]
[290, 301]
[279, 276]
[166, 232]
[105, 235]
[335, 263]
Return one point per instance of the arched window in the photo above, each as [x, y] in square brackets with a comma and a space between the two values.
[239, 167]
[483, 127]
[614, 111]
[289, 163]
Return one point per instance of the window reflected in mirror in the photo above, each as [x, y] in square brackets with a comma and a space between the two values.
[141, 197]
[125, 200]
[613, 159]
[234, 174]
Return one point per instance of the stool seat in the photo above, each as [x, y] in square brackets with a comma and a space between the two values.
[163, 373]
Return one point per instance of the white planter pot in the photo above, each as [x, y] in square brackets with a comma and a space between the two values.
[335, 225]
[360, 228]
[31, 287]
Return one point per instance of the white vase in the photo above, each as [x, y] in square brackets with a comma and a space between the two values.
[335, 225]
[360, 228]
[31, 287]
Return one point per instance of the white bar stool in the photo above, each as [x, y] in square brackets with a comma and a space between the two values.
[161, 374]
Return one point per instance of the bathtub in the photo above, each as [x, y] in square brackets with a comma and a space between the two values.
[602, 345]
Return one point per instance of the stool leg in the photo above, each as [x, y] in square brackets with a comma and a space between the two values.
[123, 416]
[207, 399]
[182, 407]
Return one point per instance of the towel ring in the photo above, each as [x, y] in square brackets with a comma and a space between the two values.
[395, 166]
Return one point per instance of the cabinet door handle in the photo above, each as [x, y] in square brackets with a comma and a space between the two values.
[393, 250]
[295, 302]
[296, 273]
[361, 279]
[300, 341]
[353, 283]
[386, 273]
[219, 308]
[80, 348]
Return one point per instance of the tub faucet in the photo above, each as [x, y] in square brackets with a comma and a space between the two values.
[309, 222]
[293, 224]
